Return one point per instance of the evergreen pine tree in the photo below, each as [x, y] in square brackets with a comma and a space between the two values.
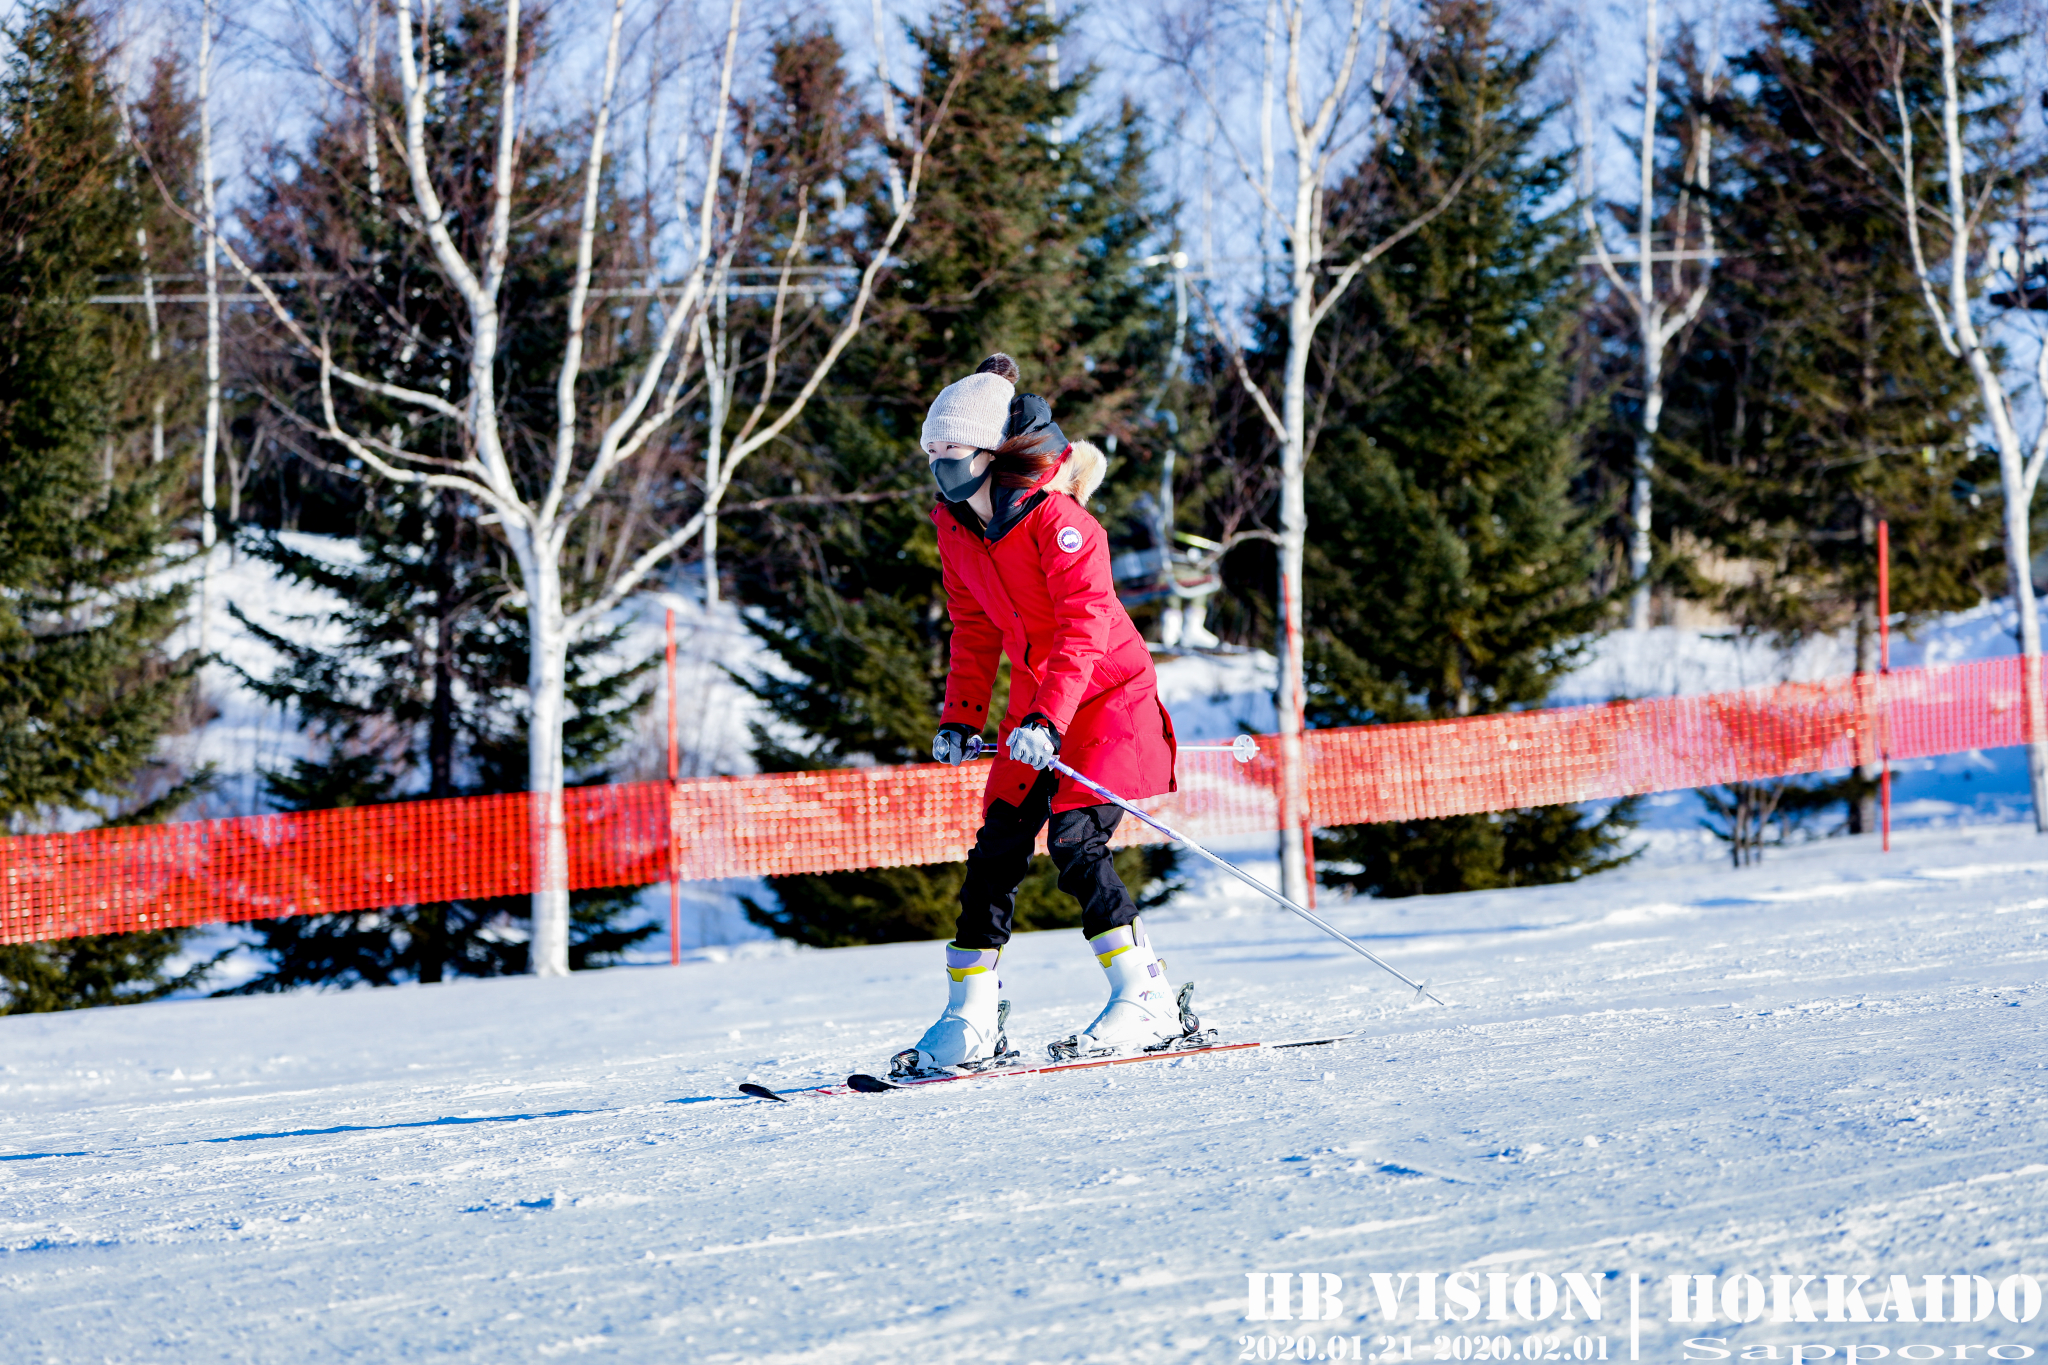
[1448, 569]
[1819, 399]
[86, 689]
[1822, 400]
[161, 391]
[1027, 236]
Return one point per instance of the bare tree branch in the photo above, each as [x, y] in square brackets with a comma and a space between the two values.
[579, 287]
[669, 544]
[1228, 335]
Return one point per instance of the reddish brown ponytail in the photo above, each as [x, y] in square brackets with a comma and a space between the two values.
[1020, 462]
[1032, 446]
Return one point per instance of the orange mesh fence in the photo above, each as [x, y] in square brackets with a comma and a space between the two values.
[416, 852]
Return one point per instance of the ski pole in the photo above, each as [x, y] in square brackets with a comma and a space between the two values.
[1238, 748]
[1311, 916]
[1244, 749]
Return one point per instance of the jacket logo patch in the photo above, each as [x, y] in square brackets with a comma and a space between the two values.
[1070, 538]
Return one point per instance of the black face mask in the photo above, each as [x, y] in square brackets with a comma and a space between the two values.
[956, 484]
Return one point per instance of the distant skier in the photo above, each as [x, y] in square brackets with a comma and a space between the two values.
[1027, 575]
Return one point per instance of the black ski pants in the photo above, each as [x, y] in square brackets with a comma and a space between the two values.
[1079, 844]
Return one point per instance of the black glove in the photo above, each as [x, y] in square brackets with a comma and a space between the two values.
[956, 743]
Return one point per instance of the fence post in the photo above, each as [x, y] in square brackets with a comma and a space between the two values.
[675, 861]
[1884, 667]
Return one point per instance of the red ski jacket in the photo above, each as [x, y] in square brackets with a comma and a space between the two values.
[1042, 594]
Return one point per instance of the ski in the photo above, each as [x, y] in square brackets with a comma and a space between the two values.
[864, 1084]
[762, 1092]
[1194, 1041]
[875, 1085]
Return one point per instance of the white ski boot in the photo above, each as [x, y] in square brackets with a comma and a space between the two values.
[970, 1032]
[1144, 1012]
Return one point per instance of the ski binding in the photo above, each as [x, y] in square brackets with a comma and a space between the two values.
[903, 1066]
[1068, 1049]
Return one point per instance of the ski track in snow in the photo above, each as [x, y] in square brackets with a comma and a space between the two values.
[1832, 1062]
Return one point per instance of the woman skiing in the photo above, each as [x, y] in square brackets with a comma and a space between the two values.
[1026, 574]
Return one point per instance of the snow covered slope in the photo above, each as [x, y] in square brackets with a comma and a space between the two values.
[1667, 661]
[248, 735]
[1830, 1064]
[1215, 698]
[1980, 786]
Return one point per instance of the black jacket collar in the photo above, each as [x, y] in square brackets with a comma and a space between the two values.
[968, 517]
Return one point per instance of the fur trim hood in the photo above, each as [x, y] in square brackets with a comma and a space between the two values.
[1085, 469]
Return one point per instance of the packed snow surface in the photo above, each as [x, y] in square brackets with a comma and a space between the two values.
[1830, 1064]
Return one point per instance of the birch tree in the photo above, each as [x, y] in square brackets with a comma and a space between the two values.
[1324, 258]
[209, 440]
[721, 376]
[537, 514]
[1661, 311]
[1950, 245]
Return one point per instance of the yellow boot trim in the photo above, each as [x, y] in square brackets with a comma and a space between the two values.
[962, 973]
[1104, 958]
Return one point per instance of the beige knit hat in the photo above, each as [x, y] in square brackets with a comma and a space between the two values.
[972, 412]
